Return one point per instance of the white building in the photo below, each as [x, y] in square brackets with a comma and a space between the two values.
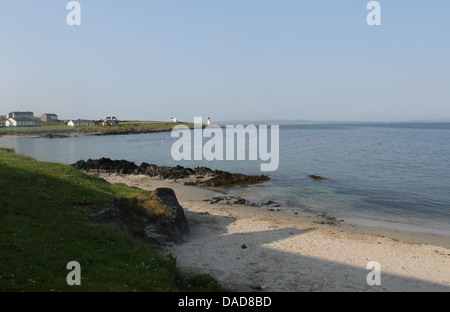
[173, 119]
[209, 121]
[74, 123]
[20, 119]
[20, 122]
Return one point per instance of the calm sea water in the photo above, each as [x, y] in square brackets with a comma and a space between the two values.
[398, 172]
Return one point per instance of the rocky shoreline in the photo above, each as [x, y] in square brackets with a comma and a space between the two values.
[62, 135]
[200, 175]
[171, 225]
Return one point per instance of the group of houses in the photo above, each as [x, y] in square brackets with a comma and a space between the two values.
[20, 119]
[27, 119]
[109, 121]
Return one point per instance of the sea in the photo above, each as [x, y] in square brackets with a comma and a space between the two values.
[394, 175]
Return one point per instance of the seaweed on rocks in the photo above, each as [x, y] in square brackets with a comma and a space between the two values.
[205, 176]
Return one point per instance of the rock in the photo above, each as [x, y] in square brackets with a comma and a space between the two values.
[240, 201]
[203, 171]
[326, 219]
[215, 200]
[223, 178]
[157, 219]
[268, 203]
[173, 221]
[54, 136]
[213, 178]
[230, 200]
[316, 177]
[106, 164]
[243, 247]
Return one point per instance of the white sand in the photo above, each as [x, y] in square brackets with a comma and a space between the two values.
[289, 253]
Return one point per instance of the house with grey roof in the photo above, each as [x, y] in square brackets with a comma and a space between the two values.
[49, 117]
[20, 119]
[110, 121]
[79, 122]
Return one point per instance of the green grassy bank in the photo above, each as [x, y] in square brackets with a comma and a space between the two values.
[44, 224]
[59, 128]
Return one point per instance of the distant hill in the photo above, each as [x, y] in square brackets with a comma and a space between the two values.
[312, 122]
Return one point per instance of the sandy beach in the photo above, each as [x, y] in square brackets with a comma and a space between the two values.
[261, 249]
[12, 136]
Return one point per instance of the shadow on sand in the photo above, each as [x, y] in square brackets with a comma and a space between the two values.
[244, 262]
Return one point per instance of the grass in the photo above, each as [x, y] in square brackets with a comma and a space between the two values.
[43, 226]
[156, 125]
[48, 127]
[61, 128]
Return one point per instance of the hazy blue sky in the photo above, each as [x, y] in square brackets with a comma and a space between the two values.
[226, 59]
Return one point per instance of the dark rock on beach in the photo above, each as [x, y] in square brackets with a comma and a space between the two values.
[236, 200]
[317, 178]
[326, 219]
[54, 136]
[157, 219]
[240, 201]
[228, 200]
[106, 165]
[173, 222]
[223, 178]
[205, 176]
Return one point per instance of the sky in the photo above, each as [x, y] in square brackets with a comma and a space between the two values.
[226, 59]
